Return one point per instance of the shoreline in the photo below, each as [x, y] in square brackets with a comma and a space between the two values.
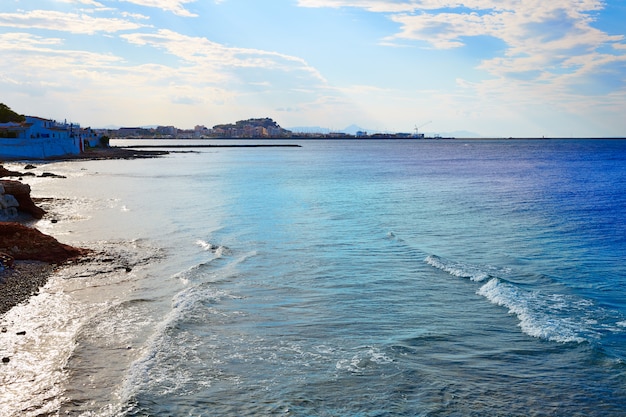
[33, 267]
[32, 259]
[21, 282]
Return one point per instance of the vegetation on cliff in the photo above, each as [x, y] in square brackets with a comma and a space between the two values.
[8, 115]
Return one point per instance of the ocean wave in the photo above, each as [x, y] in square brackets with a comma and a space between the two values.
[223, 264]
[158, 368]
[459, 269]
[366, 357]
[546, 315]
[553, 317]
[218, 250]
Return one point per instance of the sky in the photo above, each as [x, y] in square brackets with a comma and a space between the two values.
[507, 68]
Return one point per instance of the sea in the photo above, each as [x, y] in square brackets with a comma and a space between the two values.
[355, 278]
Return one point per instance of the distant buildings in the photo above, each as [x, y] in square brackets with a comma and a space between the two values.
[251, 128]
[29, 137]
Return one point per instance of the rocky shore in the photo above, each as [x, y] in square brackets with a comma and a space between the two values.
[112, 153]
[27, 256]
[21, 282]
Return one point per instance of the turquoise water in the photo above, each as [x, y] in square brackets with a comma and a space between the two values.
[365, 278]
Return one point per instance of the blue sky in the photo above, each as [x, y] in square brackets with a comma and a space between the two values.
[496, 68]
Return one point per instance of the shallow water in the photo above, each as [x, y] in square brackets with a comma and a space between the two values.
[363, 278]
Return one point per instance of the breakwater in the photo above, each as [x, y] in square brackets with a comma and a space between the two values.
[282, 145]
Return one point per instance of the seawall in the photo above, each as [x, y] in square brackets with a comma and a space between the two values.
[41, 148]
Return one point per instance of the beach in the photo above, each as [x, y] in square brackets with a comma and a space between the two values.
[27, 275]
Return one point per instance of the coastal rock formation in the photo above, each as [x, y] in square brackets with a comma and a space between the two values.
[26, 243]
[21, 194]
[8, 173]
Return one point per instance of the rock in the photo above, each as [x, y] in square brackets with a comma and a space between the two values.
[30, 166]
[26, 243]
[22, 333]
[6, 173]
[21, 192]
[51, 175]
[6, 260]
[7, 201]
[5, 360]
[8, 213]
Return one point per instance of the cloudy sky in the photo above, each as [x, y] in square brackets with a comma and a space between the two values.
[497, 68]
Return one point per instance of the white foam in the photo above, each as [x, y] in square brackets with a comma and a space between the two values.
[207, 246]
[458, 269]
[218, 250]
[32, 382]
[554, 317]
[544, 317]
[366, 357]
[156, 368]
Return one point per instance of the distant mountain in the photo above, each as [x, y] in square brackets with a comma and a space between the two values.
[309, 129]
[352, 129]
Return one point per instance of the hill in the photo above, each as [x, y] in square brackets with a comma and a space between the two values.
[7, 115]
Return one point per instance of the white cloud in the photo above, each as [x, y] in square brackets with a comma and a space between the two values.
[175, 6]
[65, 22]
[208, 78]
[208, 54]
[40, 76]
[547, 46]
[370, 5]
[545, 60]
[26, 49]
[86, 2]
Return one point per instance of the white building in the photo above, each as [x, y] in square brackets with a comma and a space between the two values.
[39, 138]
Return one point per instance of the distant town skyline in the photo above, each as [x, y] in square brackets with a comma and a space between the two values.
[492, 68]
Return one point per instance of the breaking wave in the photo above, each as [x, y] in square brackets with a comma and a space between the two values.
[218, 250]
[546, 315]
[462, 270]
